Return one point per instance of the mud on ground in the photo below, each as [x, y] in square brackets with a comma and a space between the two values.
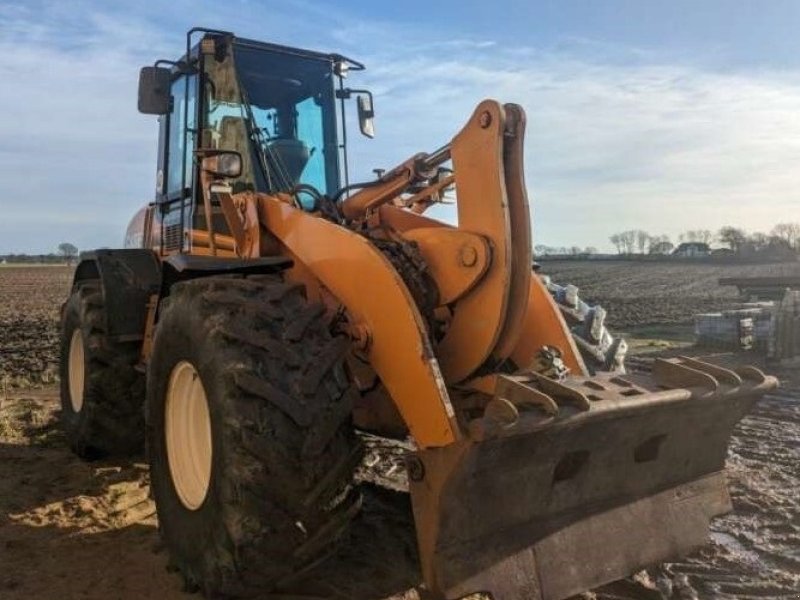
[69, 529]
[30, 300]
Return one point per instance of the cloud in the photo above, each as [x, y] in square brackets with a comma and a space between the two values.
[77, 156]
[617, 138]
[610, 147]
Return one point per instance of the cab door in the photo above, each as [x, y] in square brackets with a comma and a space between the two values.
[176, 178]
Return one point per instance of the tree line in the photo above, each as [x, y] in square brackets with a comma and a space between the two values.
[784, 238]
[66, 253]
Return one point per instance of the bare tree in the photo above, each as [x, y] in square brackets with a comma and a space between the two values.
[733, 237]
[68, 251]
[759, 241]
[617, 241]
[660, 244]
[628, 240]
[789, 232]
[702, 236]
[642, 239]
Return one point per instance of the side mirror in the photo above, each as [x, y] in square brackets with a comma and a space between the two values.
[154, 94]
[221, 163]
[366, 114]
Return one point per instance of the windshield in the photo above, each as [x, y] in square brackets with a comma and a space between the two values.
[286, 106]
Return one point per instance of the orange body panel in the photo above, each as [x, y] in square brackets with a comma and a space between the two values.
[478, 163]
[455, 259]
[365, 282]
[543, 325]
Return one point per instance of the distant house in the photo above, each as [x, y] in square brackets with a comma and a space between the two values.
[692, 250]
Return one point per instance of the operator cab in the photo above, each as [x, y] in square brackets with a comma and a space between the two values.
[273, 105]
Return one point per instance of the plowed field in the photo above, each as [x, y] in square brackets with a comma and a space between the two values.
[648, 293]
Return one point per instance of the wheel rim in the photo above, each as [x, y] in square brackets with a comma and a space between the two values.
[188, 435]
[76, 370]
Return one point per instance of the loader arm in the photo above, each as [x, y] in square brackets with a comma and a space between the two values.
[523, 477]
[487, 157]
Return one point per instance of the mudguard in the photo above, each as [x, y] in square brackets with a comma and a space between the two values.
[128, 277]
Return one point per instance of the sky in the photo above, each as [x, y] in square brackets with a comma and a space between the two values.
[642, 114]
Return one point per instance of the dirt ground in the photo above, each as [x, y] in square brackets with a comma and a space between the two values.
[70, 529]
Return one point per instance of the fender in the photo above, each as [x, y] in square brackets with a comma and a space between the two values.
[130, 277]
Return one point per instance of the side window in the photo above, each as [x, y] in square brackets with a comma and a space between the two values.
[180, 145]
[309, 129]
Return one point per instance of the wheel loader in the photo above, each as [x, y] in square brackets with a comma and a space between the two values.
[265, 309]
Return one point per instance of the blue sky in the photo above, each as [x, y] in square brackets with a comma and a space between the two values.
[664, 116]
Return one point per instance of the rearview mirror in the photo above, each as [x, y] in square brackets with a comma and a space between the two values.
[221, 163]
[154, 96]
[366, 114]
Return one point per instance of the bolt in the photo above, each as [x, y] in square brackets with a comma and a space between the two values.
[415, 468]
[485, 119]
[468, 255]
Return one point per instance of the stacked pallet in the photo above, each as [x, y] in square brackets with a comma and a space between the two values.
[744, 328]
[785, 340]
[771, 327]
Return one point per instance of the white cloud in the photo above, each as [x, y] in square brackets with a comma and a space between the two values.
[616, 139]
[660, 147]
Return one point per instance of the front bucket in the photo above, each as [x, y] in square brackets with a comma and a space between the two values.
[627, 473]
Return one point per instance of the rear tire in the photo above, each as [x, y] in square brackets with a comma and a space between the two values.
[102, 394]
[283, 451]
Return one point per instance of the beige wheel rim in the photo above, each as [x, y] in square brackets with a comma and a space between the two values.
[76, 370]
[187, 426]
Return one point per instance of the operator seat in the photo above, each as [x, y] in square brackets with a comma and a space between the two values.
[291, 154]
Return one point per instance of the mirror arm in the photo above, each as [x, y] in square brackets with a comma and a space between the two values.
[346, 93]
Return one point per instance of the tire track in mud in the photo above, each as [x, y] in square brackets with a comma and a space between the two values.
[754, 552]
[756, 549]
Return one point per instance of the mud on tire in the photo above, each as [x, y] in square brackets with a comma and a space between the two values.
[283, 447]
[109, 418]
[600, 350]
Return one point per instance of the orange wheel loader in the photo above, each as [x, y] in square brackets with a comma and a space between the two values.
[264, 309]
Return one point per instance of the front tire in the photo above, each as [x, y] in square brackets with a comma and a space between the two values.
[278, 491]
[102, 394]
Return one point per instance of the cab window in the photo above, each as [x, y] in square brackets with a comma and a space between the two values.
[179, 146]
